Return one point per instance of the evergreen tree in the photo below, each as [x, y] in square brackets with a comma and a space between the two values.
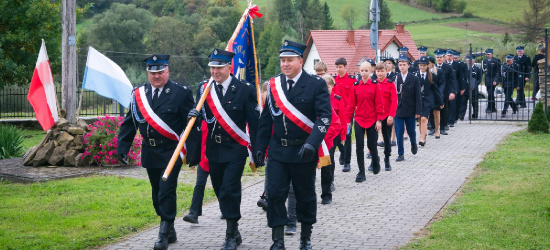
[385, 16]
[284, 9]
[538, 122]
[327, 22]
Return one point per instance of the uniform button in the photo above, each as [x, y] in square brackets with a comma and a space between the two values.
[219, 127]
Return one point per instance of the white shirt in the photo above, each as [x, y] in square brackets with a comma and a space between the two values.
[225, 85]
[295, 79]
[423, 75]
[153, 89]
[404, 77]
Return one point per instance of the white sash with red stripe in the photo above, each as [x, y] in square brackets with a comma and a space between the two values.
[295, 115]
[154, 121]
[225, 121]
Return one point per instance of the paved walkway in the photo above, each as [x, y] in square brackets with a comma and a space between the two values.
[382, 213]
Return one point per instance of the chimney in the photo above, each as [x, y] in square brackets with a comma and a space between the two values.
[351, 37]
[400, 28]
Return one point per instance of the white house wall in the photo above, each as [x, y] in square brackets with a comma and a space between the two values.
[309, 64]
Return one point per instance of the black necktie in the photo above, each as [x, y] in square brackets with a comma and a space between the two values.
[290, 83]
[219, 88]
[155, 95]
[423, 76]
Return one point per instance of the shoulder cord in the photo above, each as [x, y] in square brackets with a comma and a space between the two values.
[203, 110]
[272, 110]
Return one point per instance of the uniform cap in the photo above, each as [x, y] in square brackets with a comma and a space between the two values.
[423, 60]
[389, 59]
[520, 48]
[422, 49]
[371, 61]
[156, 62]
[468, 57]
[450, 52]
[489, 51]
[404, 58]
[457, 54]
[509, 57]
[431, 59]
[439, 52]
[290, 49]
[403, 49]
[220, 58]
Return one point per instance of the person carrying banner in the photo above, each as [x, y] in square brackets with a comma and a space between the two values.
[231, 106]
[298, 112]
[158, 111]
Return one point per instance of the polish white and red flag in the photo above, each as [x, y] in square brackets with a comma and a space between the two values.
[42, 91]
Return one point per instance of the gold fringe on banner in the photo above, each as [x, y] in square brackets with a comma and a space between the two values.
[253, 167]
[324, 161]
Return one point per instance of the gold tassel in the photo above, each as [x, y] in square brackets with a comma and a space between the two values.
[324, 161]
[184, 160]
[253, 167]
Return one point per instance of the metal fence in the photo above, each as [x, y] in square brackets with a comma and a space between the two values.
[14, 104]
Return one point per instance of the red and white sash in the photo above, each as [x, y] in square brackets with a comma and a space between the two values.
[296, 116]
[154, 121]
[225, 121]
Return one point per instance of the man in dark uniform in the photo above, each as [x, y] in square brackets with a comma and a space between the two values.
[294, 130]
[474, 81]
[535, 66]
[509, 83]
[159, 101]
[463, 95]
[523, 63]
[423, 52]
[454, 107]
[230, 105]
[448, 93]
[491, 69]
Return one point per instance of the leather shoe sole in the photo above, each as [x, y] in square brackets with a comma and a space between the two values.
[326, 201]
[191, 218]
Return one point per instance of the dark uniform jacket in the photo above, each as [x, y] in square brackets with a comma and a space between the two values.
[172, 107]
[475, 78]
[451, 85]
[491, 69]
[409, 99]
[460, 70]
[510, 75]
[535, 65]
[431, 95]
[524, 68]
[310, 96]
[241, 106]
[439, 81]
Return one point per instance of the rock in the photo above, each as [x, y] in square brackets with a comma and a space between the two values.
[80, 161]
[70, 156]
[58, 155]
[65, 138]
[28, 156]
[82, 124]
[43, 154]
[62, 122]
[75, 130]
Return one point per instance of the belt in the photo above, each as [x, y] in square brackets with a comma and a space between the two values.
[291, 142]
[222, 139]
[159, 142]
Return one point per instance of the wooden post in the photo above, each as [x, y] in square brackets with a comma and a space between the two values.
[68, 59]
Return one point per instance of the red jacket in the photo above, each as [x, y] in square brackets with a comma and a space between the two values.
[343, 87]
[367, 102]
[336, 127]
[204, 134]
[389, 94]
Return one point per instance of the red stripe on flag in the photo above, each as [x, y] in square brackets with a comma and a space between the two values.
[38, 100]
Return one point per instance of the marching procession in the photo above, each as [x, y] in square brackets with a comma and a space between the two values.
[303, 120]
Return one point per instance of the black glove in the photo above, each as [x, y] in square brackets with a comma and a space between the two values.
[123, 158]
[307, 152]
[193, 113]
[260, 159]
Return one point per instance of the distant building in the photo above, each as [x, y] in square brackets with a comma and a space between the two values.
[354, 45]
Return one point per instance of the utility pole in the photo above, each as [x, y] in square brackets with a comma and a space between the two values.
[375, 18]
[68, 59]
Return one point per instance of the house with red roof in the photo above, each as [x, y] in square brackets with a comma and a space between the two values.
[354, 45]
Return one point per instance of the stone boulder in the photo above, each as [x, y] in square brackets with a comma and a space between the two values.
[58, 155]
[70, 157]
[43, 154]
[81, 161]
[65, 138]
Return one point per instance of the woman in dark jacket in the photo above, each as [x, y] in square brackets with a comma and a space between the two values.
[431, 96]
[438, 79]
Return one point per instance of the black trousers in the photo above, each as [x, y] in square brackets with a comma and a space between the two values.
[327, 173]
[372, 141]
[475, 104]
[463, 105]
[386, 134]
[302, 176]
[345, 150]
[520, 98]
[226, 180]
[491, 105]
[164, 192]
[508, 101]
[198, 192]
[454, 108]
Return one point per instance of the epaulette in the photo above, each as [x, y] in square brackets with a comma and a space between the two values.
[179, 85]
[356, 83]
[351, 76]
[337, 97]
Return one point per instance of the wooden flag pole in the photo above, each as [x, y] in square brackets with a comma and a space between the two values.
[199, 107]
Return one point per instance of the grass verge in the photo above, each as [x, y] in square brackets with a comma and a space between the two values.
[79, 213]
[506, 206]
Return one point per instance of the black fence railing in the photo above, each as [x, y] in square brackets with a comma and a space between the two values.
[14, 104]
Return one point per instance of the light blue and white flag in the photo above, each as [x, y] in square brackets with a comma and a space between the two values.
[106, 78]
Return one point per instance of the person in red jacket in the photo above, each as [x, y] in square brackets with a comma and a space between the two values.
[336, 131]
[366, 101]
[344, 85]
[389, 95]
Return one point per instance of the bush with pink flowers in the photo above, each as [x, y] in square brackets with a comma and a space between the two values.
[101, 142]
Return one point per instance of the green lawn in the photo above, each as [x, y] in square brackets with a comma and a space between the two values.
[79, 213]
[506, 206]
[502, 10]
[31, 138]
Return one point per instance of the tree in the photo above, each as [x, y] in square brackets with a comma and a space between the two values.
[506, 38]
[327, 18]
[285, 12]
[22, 26]
[348, 14]
[535, 19]
[444, 5]
[385, 16]
[226, 3]
[268, 47]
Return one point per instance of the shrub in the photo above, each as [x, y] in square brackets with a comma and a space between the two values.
[101, 142]
[538, 122]
[459, 6]
[11, 141]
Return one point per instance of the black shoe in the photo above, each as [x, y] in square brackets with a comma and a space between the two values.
[431, 132]
[400, 158]
[360, 177]
[375, 165]
[370, 167]
[191, 218]
[443, 132]
[387, 164]
[414, 149]
[326, 200]
[474, 116]
[172, 236]
[230, 242]
[380, 144]
[446, 127]
[346, 168]
[452, 125]
[341, 158]
[461, 118]
[421, 143]
[437, 137]
[369, 156]
[503, 115]
[162, 240]
[332, 188]
[514, 112]
[278, 237]
[221, 217]
[305, 237]
[290, 229]
[393, 143]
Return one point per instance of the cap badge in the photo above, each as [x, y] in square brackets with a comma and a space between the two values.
[154, 58]
[286, 43]
[216, 52]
